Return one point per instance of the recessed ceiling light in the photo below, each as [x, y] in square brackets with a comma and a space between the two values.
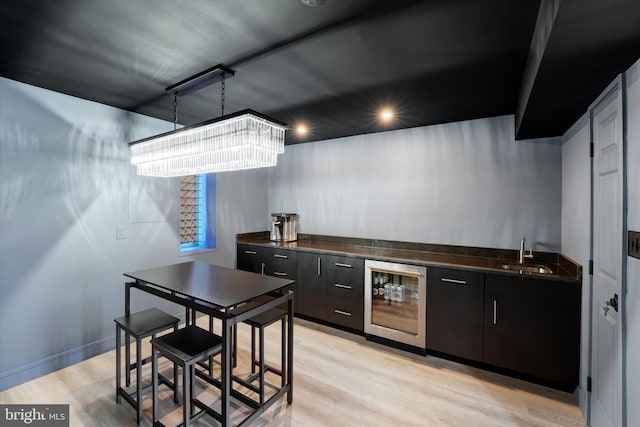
[302, 129]
[386, 115]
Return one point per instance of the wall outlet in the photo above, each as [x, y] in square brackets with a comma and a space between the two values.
[121, 232]
[634, 244]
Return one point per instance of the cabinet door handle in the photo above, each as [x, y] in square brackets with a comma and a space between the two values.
[262, 269]
[281, 256]
[278, 273]
[495, 311]
[251, 252]
[339, 264]
[457, 282]
[339, 285]
[319, 266]
[343, 313]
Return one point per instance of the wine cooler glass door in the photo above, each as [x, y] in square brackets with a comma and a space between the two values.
[395, 302]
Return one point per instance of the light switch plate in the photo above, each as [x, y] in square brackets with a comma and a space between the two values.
[634, 244]
[121, 232]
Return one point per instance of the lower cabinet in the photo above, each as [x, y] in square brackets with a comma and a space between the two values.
[532, 326]
[455, 304]
[344, 289]
[523, 324]
[249, 258]
[270, 261]
[310, 292]
[346, 313]
[331, 288]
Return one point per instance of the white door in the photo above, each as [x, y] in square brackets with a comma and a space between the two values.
[606, 325]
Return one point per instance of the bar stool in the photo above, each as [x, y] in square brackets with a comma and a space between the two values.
[259, 322]
[139, 325]
[185, 347]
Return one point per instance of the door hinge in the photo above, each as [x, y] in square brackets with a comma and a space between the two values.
[591, 267]
[591, 148]
[589, 384]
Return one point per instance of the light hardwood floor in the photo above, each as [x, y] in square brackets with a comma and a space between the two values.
[339, 380]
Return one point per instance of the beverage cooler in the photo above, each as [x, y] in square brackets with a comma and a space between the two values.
[396, 303]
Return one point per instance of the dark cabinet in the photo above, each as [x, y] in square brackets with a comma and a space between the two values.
[265, 260]
[249, 258]
[455, 304]
[532, 326]
[524, 324]
[331, 288]
[344, 288]
[310, 292]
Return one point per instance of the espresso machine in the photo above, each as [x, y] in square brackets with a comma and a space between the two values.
[283, 227]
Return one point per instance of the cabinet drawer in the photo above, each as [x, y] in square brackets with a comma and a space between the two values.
[248, 258]
[343, 263]
[455, 279]
[345, 313]
[344, 284]
[277, 254]
[283, 269]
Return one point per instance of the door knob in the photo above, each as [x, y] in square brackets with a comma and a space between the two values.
[613, 302]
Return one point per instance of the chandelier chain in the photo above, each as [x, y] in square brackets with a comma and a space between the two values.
[175, 110]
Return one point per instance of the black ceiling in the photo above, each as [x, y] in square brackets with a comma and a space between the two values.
[331, 66]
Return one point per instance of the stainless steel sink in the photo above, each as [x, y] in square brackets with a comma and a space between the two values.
[528, 268]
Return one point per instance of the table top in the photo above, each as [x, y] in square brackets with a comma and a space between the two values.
[220, 286]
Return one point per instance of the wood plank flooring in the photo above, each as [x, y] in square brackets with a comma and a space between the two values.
[340, 379]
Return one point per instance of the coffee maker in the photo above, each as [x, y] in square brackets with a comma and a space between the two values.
[283, 227]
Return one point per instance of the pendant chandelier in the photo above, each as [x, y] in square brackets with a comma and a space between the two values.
[242, 140]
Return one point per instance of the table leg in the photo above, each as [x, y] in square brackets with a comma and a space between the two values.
[118, 362]
[127, 338]
[290, 350]
[226, 372]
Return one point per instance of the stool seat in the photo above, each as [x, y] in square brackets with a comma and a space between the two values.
[266, 318]
[185, 347]
[145, 323]
[139, 325]
[187, 344]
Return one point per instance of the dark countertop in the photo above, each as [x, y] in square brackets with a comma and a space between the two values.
[468, 258]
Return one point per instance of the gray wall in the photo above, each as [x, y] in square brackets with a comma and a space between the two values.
[576, 228]
[65, 184]
[633, 265]
[466, 183]
[241, 208]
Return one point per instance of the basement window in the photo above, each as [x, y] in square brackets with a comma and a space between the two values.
[197, 228]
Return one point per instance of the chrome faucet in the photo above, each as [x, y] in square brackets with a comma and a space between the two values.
[522, 254]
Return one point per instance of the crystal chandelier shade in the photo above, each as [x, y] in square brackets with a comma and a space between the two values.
[243, 140]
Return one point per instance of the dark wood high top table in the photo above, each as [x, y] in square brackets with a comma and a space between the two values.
[214, 290]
